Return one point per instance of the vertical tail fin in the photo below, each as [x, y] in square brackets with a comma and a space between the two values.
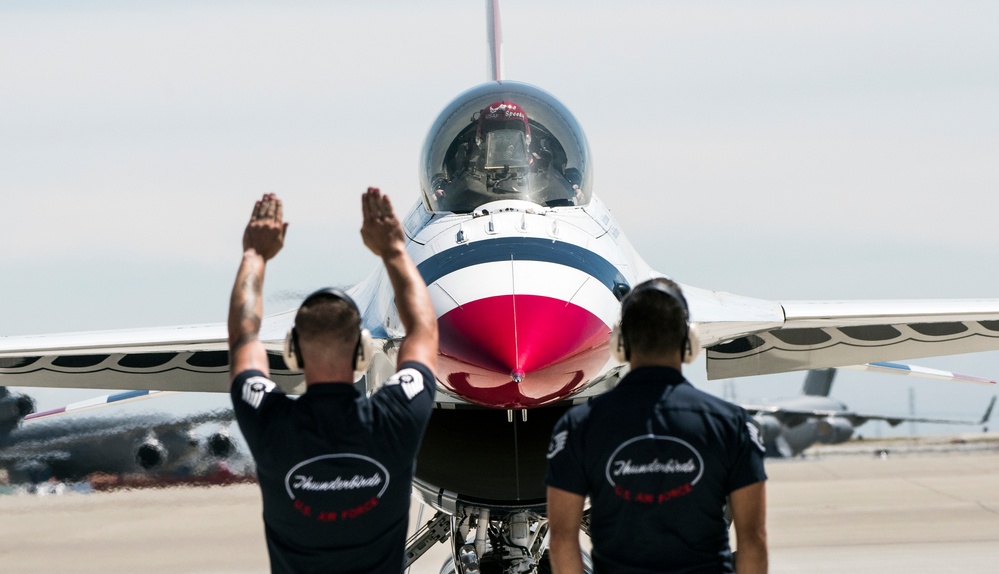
[988, 412]
[494, 33]
[818, 382]
[13, 409]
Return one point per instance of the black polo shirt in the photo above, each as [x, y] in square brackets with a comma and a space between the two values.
[657, 458]
[335, 468]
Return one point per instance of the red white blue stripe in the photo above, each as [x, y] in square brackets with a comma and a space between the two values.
[125, 396]
[922, 372]
[523, 321]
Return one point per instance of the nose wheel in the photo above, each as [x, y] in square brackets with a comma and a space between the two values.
[514, 544]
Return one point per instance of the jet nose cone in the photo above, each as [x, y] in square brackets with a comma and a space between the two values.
[515, 339]
[518, 334]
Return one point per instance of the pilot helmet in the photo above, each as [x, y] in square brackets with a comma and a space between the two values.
[503, 134]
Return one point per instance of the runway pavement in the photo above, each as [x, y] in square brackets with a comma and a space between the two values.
[919, 509]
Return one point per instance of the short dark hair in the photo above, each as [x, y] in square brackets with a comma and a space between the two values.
[329, 319]
[652, 321]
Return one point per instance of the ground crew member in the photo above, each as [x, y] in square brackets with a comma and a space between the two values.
[334, 466]
[658, 458]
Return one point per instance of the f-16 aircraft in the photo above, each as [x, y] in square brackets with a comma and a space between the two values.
[35, 447]
[789, 426]
[526, 267]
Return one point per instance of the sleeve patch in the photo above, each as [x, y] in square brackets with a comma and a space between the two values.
[410, 380]
[557, 444]
[755, 436]
[255, 389]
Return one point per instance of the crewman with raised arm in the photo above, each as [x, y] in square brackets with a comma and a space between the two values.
[334, 466]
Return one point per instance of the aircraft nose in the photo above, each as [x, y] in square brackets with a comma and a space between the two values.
[524, 321]
[518, 334]
[509, 341]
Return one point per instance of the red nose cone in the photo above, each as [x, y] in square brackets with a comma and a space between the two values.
[536, 349]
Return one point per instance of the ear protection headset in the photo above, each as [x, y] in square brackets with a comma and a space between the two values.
[691, 345]
[362, 352]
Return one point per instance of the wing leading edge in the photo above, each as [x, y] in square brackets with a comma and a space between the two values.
[187, 358]
[824, 334]
[794, 417]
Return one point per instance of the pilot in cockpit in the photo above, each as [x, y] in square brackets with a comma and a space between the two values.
[499, 159]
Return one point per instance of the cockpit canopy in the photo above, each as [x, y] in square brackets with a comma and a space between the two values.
[504, 141]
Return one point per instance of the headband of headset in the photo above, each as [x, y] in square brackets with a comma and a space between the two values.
[362, 351]
[689, 347]
[653, 285]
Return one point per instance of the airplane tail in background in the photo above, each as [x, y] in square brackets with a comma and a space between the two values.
[13, 409]
[988, 412]
[818, 382]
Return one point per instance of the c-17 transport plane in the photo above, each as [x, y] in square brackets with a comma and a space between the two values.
[37, 446]
[526, 268]
[789, 426]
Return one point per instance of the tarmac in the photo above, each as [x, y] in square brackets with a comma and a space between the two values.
[916, 506]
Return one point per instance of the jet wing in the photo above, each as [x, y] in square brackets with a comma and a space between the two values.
[185, 358]
[860, 418]
[825, 334]
[921, 372]
[97, 403]
[793, 417]
[62, 430]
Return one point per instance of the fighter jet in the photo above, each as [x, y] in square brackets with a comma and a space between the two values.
[526, 268]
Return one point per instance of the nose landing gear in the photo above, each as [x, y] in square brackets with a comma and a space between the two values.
[514, 544]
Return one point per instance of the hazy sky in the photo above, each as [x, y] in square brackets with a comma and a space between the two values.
[784, 150]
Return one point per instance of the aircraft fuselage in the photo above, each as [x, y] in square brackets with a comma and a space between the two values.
[526, 297]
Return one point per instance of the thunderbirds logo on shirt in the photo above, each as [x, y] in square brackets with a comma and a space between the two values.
[336, 487]
[654, 469]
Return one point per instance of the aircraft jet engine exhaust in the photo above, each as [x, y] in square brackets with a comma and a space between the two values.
[220, 445]
[833, 430]
[770, 427]
[150, 454]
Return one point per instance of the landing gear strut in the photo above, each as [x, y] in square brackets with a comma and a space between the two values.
[516, 543]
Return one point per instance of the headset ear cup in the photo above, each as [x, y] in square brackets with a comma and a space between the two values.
[290, 351]
[617, 345]
[365, 351]
[693, 345]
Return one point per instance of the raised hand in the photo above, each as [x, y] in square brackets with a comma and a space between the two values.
[266, 229]
[381, 230]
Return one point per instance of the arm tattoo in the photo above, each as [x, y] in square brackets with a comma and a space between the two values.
[249, 323]
[242, 340]
[244, 312]
[248, 310]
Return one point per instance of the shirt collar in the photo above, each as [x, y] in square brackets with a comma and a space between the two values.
[331, 389]
[642, 375]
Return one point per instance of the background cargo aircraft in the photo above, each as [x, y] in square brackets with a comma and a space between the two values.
[791, 425]
[37, 446]
[710, 194]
